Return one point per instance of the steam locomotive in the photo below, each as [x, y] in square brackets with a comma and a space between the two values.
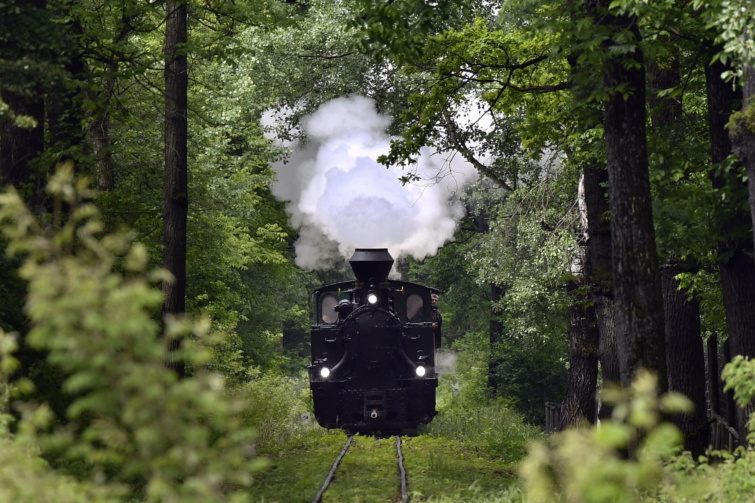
[373, 351]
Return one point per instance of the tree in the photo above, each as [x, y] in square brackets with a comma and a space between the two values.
[736, 267]
[175, 195]
[638, 301]
[580, 402]
[132, 429]
[734, 24]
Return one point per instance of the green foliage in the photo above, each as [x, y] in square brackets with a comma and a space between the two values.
[8, 365]
[657, 473]
[734, 24]
[591, 465]
[132, 424]
[465, 412]
[277, 406]
[24, 476]
[739, 375]
[400, 29]
[12, 289]
[530, 373]
[464, 303]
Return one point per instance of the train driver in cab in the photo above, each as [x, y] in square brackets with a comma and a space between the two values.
[436, 317]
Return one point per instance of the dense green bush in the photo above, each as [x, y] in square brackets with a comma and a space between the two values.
[280, 413]
[133, 427]
[621, 461]
[24, 476]
[531, 373]
[465, 412]
[636, 456]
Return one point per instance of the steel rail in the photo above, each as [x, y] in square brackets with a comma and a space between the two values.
[334, 468]
[401, 470]
[329, 478]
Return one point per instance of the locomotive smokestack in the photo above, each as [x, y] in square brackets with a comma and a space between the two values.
[371, 263]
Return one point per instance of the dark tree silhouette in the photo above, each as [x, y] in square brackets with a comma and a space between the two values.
[736, 266]
[638, 303]
[175, 195]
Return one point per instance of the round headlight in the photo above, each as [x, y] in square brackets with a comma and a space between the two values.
[420, 370]
[372, 298]
[324, 372]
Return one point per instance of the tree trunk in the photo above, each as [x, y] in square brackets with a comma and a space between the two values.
[598, 266]
[728, 406]
[580, 401]
[721, 402]
[175, 192]
[736, 265]
[742, 135]
[99, 138]
[685, 358]
[495, 334]
[599, 273]
[638, 306]
[712, 375]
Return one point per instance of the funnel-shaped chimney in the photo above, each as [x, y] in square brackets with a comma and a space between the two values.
[371, 263]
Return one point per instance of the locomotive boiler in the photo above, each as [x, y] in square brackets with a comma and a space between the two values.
[373, 350]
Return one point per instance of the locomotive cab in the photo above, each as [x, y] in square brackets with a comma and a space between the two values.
[373, 350]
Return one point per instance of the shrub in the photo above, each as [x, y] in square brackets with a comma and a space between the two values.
[466, 413]
[279, 404]
[622, 461]
[133, 426]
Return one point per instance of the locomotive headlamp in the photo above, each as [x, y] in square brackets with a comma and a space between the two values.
[324, 372]
[372, 298]
[420, 370]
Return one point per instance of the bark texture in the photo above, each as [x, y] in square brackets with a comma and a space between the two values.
[638, 303]
[742, 135]
[685, 358]
[737, 269]
[580, 402]
[175, 189]
[599, 273]
[175, 196]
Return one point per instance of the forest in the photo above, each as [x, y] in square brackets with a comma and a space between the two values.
[576, 178]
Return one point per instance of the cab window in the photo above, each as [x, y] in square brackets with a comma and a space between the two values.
[414, 305]
[328, 312]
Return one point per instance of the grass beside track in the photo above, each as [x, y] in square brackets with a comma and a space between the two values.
[438, 470]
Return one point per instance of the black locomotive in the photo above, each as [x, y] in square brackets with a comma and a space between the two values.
[373, 350]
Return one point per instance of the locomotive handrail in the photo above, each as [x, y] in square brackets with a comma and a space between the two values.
[338, 365]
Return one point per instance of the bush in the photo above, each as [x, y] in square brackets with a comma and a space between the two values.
[466, 413]
[279, 404]
[25, 476]
[622, 461]
[132, 427]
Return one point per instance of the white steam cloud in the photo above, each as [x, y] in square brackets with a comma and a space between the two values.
[340, 198]
[445, 362]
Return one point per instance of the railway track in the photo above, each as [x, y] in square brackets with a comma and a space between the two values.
[333, 470]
